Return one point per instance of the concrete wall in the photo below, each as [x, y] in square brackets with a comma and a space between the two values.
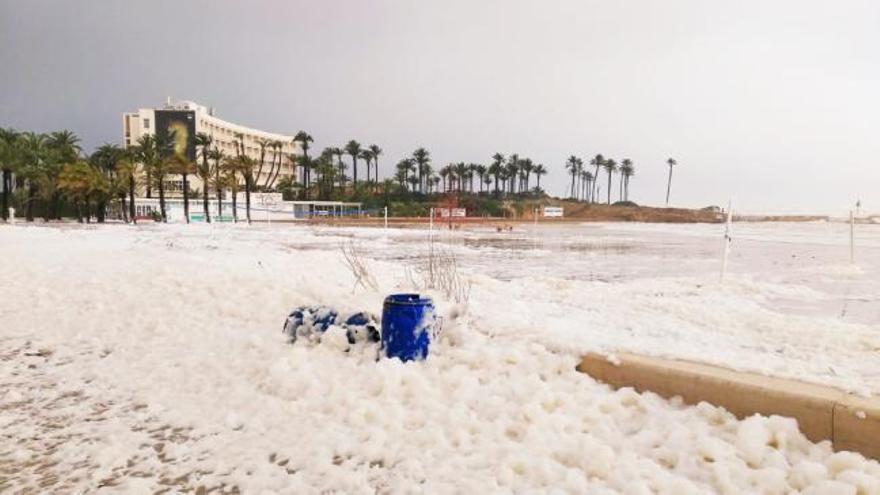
[822, 413]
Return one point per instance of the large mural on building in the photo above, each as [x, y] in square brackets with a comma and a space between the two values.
[182, 123]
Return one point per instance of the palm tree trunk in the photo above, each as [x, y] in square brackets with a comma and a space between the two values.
[595, 192]
[234, 206]
[100, 208]
[620, 188]
[247, 198]
[205, 201]
[5, 202]
[609, 186]
[185, 198]
[162, 202]
[131, 208]
[79, 217]
[354, 167]
[32, 192]
[271, 170]
[219, 187]
[56, 205]
[668, 185]
[149, 184]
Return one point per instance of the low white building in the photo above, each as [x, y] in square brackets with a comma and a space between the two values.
[264, 207]
[188, 118]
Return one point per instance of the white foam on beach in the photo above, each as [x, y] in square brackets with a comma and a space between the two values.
[151, 357]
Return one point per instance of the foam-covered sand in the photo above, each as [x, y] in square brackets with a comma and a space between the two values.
[151, 357]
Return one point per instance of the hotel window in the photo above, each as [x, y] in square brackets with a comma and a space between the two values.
[146, 123]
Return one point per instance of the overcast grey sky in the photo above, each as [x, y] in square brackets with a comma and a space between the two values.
[775, 103]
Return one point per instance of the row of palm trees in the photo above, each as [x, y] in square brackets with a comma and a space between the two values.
[509, 176]
[332, 158]
[51, 170]
[585, 181]
[52, 167]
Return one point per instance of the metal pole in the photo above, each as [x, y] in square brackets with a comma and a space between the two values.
[431, 223]
[726, 245]
[852, 237]
[386, 218]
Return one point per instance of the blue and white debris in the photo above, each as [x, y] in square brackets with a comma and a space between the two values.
[310, 322]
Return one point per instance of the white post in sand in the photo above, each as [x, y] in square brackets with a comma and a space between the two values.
[11, 215]
[386, 218]
[852, 237]
[725, 250]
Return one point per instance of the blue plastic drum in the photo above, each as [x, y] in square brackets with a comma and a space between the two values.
[407, 326]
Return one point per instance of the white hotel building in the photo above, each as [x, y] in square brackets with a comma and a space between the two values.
[188, 119]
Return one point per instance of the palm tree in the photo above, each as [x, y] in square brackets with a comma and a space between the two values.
[496, 169]
[74, 181]
[9, 158]
[105, 159]
[231, 167]
[145, 152]
[264, 145]
[481, 171]
[610, 167]
[341, 164]
[276, 162]
[512, 171]
[413, 182]
[526, 173]
[471, 172]
[582, 183]
[239, 144]
[34, 154]
[539, 171]
[671, 162]
[376, 151]
[127, 171]
[597, 161]
[66, 144]
[182, 166]
[367, 156]
[422, 158]
[461, 170]
[218, 157]
[63, 147]
[572, 166]
[444, 174]
[591, 182]
[161, 167]
[353, 148]
[203, 143]
[400, 177]
[246, 168]
[304, 140]
[626, 171]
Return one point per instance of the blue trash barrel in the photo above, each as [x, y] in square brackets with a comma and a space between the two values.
[407, 324]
